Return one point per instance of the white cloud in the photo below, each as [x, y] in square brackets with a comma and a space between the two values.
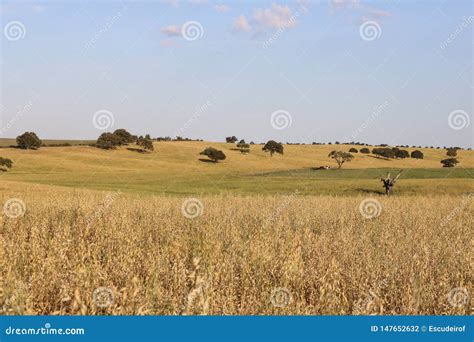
[221, 8]
[241, 24]
[171, 30]
[274, 17]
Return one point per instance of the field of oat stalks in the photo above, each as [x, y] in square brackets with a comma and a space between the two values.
[89, 252]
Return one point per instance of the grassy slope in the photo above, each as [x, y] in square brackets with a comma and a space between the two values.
[175, 168]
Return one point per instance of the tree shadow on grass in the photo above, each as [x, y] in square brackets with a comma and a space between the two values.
[207, 160]
[139, 150]
[370, 191]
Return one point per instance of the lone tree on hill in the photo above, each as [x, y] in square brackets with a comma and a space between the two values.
[340, 157]
[449, 162]
[214, 154]
[124, 137]
[272, 147]
[28, 140]
[107, 141]
[417, 154]
[364, 150]
[233, 139]
[145, 143]
[451, 152]
[5, 164]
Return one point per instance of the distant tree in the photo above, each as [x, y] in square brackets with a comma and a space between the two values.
[451, 152]
[401, 153]
[242, 141]
[364, 150]
[124, 137]
[214, 154]
[340, 157]
[147, 136]
[233, 139]
[5, 164]
[108, 141]
[449, 162]
[384, 152]
[28, 140]
[353, 150]
[417, 154]
[244, 148]
[272, 147]
[145, 143]
[252, 143]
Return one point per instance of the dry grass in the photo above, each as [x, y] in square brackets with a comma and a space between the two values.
[229, 260]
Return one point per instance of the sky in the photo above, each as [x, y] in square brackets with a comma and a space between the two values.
[394, 72]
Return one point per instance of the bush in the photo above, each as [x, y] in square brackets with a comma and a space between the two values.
[364, 150]
[272, 147]
[353, 150]
[28, 140]
[244, 148]
[450, 162]
[417, 154]
[233, 139]
[145, 143]
[5, 164]
[384, 152]
[402, 153]
[108, 141]
[451, 152]
[213, 154]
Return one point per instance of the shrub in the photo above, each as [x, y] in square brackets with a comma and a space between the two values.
[272, 147]
[449, 162]
[451, 152]
[384, 152]
[5, 164]
[340, 157]
[244, 148]
[402, 153]
[233, 139]
[417, 154]
[213, 154]
[364, 150]
[145, 143]
[28, 140]
[353, 150]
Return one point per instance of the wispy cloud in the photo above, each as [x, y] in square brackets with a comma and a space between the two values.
[241, 24]
[221, 8]
[172, 30]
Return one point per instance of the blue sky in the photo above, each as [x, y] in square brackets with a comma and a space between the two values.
[397, 72]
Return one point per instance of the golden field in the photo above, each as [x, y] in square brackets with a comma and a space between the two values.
[286, 255]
